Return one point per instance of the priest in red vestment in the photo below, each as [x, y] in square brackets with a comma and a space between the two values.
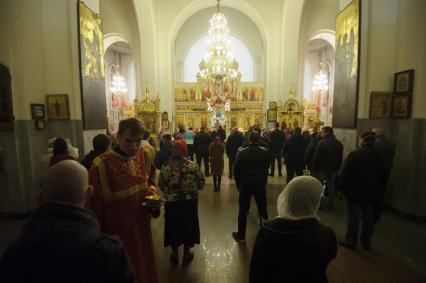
[121, 180]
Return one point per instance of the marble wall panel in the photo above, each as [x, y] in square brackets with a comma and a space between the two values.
[22, 150]
[407, 185]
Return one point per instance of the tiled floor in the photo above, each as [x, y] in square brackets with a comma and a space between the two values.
[398, 255]
[399, 246]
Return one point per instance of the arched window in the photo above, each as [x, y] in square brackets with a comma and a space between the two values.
[238, 48]
[132, 84]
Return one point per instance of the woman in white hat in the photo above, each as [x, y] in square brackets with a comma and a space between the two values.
[295, 246]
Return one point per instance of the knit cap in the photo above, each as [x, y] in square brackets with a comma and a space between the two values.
[300, 199]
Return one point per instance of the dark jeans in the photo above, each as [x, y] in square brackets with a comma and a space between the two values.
[217, 180]
[330, 185]
[203, 156]
[293, 170]
[244, 201]
[353, 218]
[231, 165]
[380, 197]
[277, 157]
[191, 151]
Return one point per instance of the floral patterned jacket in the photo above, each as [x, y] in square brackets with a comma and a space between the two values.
[180, 181]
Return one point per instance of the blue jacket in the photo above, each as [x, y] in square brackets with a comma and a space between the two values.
[189, 137]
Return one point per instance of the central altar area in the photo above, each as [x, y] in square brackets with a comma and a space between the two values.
[197, 106]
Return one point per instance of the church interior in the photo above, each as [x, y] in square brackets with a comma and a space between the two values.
[75, 69]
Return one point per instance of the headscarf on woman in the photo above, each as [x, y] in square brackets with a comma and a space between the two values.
[60, 152]
[300, 199]
[295, 246]
[287, 134]
[60, 146]
[179, 150]
[217, 140]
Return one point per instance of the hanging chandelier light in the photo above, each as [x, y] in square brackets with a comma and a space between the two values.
[218, 65]
[118, 87]
[321, 79]
[118, 84]
[320, 82]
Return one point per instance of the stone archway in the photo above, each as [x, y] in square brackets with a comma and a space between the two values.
[319, 67]
[119, 60]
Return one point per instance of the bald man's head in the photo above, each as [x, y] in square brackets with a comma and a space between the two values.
[66, 181]
[378, 131]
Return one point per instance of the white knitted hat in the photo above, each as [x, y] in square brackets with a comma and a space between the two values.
[300, 199]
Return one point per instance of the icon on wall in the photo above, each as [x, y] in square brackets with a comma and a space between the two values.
[404, 81]
[57, 107]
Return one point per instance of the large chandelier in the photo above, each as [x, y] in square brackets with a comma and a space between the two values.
[118, 87]
[320, 82]
[320, 88]
[218, 69]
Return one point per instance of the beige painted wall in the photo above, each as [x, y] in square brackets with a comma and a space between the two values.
[317, 16]
[147, 15]
[393, 39]
[290, 48]
[119, 17]
[41, 52]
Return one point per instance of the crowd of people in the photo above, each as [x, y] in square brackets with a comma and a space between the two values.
[82, 206]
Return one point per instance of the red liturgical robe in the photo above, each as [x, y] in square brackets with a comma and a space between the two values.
[120, 185]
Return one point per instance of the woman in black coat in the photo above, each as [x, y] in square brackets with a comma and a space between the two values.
[295, 246]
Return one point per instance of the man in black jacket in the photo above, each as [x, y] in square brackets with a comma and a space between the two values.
[327, 161]
[358, 181]
[294, 154]
[277, 142]
[202, 142]
[310, 150]
[62, 242]
[101, 143]
[387, 149]
[221, 134]
[251, 176]
[235, 140]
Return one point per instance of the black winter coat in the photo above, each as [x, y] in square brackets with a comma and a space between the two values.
[163, 155]
[328, 155]
[359, 176]
[235, 140]
[251, 168]
[221, 134]
[88, 159]
[309, 153]
[294, 152]
[277, 141]
[202, 142]
[292, 251]
[63, 243]
[387, 149]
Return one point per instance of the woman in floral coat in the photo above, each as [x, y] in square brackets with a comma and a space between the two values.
[179, 180]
